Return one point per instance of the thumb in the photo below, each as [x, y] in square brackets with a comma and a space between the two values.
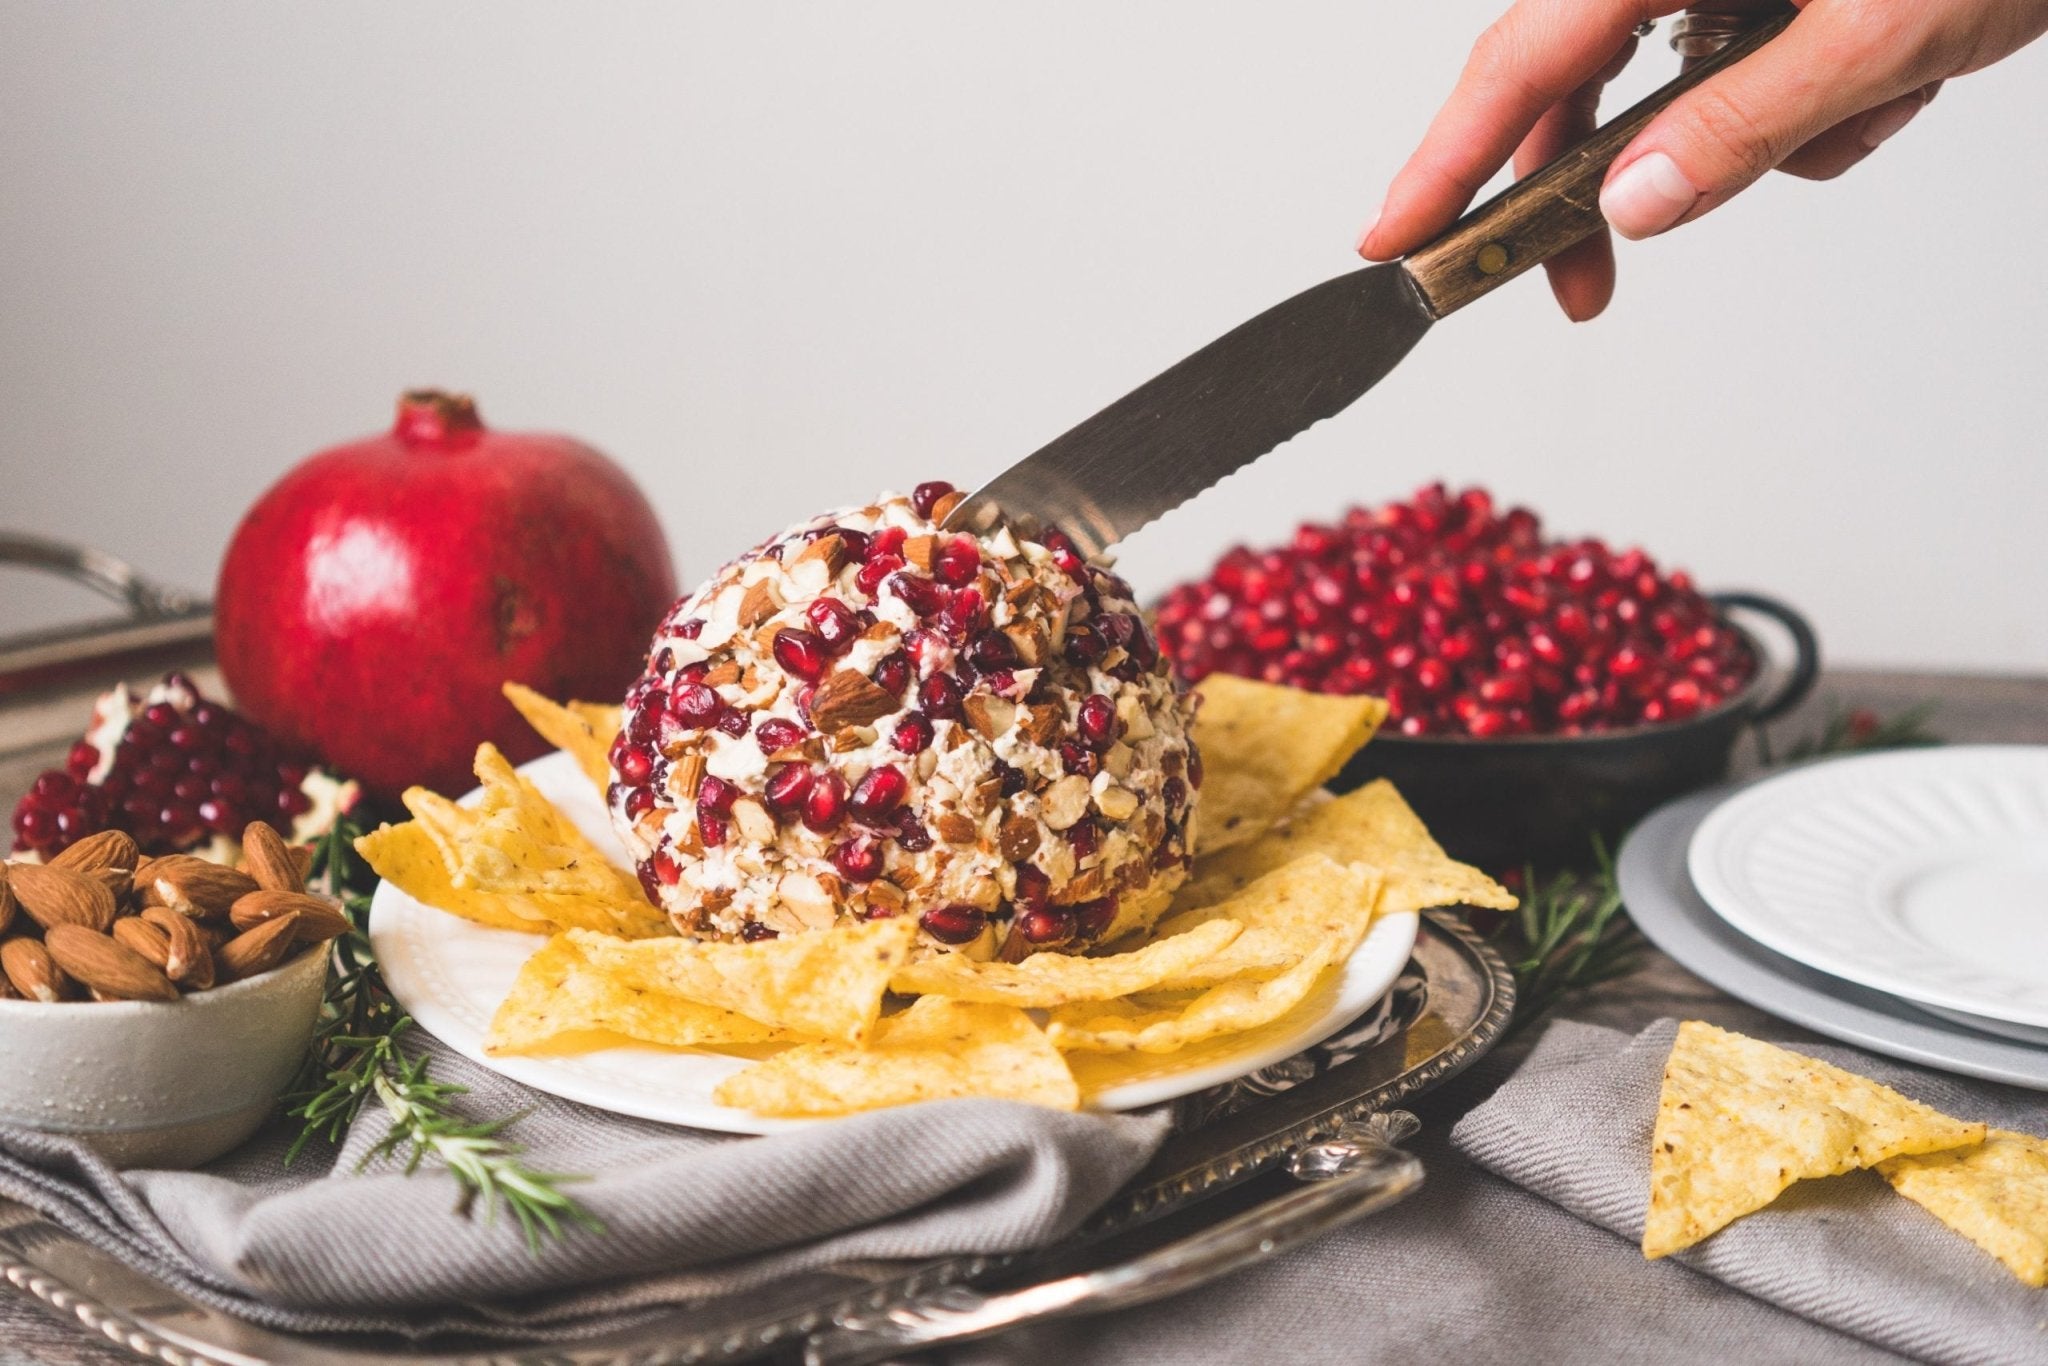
[1716, 140]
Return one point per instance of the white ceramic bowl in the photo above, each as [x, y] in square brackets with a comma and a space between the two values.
[160, 1083]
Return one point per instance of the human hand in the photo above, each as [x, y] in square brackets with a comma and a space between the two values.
[1846, 75]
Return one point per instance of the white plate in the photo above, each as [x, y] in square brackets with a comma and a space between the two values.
[1923, 873]
[450, 974]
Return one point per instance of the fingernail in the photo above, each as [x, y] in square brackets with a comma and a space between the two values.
[1889, 119]
[1366, 232]
[1649, 195]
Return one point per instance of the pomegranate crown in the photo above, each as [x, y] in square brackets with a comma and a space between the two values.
[435, 417]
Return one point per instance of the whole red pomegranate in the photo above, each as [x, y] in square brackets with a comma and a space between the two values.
[373, 601]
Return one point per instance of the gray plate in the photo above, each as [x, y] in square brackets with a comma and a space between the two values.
[1659, 894]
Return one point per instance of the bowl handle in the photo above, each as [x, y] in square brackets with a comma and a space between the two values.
[1805, 670]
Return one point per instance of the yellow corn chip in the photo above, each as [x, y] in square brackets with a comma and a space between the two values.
[1740, 1120]
[559, 996]
[1122, 1026]
[827, 984]
[569, 726]
[1311, 901]
[1264, 747]
[1052, 979]
[407, 857]
[516, 845]
[604, 719]
[1372, 825]
[936, 1050]
[1996, 1195]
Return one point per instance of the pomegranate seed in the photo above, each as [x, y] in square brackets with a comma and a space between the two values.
[888, 541]
[778, 733]
[1097, 722]
[81, 759]
[800, 652]
[1194, 766]
[912, 834]
[635, 766]
[639, 801]
[926, 496]
[695, 706]
[1046, 924]
[913, 734]
[1034, 888]
[1076, 757]
[715, 796]
[1175, 794]
[858, 860]
[1091, 918]
[834, 623]
[1085, 646]
[921, 596]
[940, 696]
[964, 615]
[1009, 780]
[892, 673]
[691, 629]
[958, 561]
[787, 787]
[825, 803]
[956, 924]
[868, 578]
[712, 830]
[1086, 837]
[992, 650]
[879, 793]
[734, 722]
[754, 932]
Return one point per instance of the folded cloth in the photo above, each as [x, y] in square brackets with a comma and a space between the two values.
[1573, 1126]
[689, 1217]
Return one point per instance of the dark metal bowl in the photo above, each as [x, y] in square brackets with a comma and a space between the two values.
[1540, 799]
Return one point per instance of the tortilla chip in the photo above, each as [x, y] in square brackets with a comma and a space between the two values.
[1052, 979]
[1286, 914]
[827, 984]
[1264, 747]
[1372, 825]
[1124, 1026]
[938, 1049]
[569, 727]
[514, 844]
[558, 994]
[407, 857]
[1995, 1194]
[1740, 1120]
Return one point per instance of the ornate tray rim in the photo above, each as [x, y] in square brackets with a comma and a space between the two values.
[654, 1344]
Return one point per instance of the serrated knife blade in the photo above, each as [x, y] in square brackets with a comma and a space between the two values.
[1213, 413]
[1312, 356]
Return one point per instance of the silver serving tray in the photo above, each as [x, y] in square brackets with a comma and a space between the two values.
[1448, 1007]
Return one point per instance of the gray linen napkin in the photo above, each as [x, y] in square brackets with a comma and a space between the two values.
[689, 1217]
[1573, 1125]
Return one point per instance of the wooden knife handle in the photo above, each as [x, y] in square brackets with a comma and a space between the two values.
[1537, 217]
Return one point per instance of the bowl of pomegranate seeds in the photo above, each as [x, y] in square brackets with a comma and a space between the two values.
[1539, 691]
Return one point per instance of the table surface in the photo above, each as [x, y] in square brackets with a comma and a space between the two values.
[1968, 708]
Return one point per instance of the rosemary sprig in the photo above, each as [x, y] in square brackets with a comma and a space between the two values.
[1570, 933]
[355, 1055]
[1849, 730]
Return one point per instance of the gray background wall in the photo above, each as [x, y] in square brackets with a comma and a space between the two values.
[776, 256]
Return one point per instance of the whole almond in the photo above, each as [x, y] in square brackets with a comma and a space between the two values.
[146, 939]
[188, 959]
[6, 899]
[255, 951]
[318, 918]
[31, 971]
[106, 849]
[99, 963]
[194, 887]
[268, 859]
[62, 896]
[302, 859]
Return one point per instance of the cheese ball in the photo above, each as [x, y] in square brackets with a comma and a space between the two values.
[869, 716]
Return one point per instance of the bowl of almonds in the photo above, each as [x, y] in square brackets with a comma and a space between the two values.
[154, 1008]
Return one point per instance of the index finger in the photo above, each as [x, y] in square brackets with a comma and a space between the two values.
[1535, 55]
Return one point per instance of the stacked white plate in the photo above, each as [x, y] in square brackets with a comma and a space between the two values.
[1898, 900]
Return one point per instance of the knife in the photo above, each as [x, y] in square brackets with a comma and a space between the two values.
[1310, 357]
